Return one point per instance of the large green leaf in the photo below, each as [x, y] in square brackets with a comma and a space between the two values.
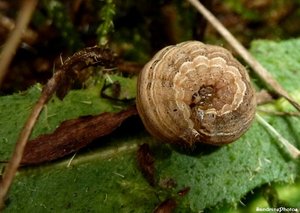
[105, 177]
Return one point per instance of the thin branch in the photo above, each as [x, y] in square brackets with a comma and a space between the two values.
[13, 164]
[256, 66]
[296, 114]
[16, 35]
[29, 36]
[292, 150]
[60, 82]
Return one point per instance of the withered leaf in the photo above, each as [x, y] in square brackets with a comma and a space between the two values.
[129, 67]
[72, 66]
[167, 206]
[145, 161]
[72, 135]
[184, 191]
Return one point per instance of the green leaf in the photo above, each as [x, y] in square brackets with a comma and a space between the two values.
[106, 178]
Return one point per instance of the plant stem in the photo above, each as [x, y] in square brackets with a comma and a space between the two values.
[14, 39]
[292, 150]
[13, 164]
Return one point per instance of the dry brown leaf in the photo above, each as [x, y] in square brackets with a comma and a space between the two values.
[72, 135]
[146, 163]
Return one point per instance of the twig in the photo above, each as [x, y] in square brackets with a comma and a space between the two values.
[29, 36]
[292, 150]
[15, 37]
[297, 114]
[70, 161]
[60, 81]
[256, 66]
[16, 158]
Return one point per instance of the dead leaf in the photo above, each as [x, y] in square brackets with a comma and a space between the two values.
[166, 206]
[73, 135]
[146, 163]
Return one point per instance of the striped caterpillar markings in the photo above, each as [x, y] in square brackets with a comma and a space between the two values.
[193, 93]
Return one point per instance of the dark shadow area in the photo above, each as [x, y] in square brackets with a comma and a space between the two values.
[197, 150]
